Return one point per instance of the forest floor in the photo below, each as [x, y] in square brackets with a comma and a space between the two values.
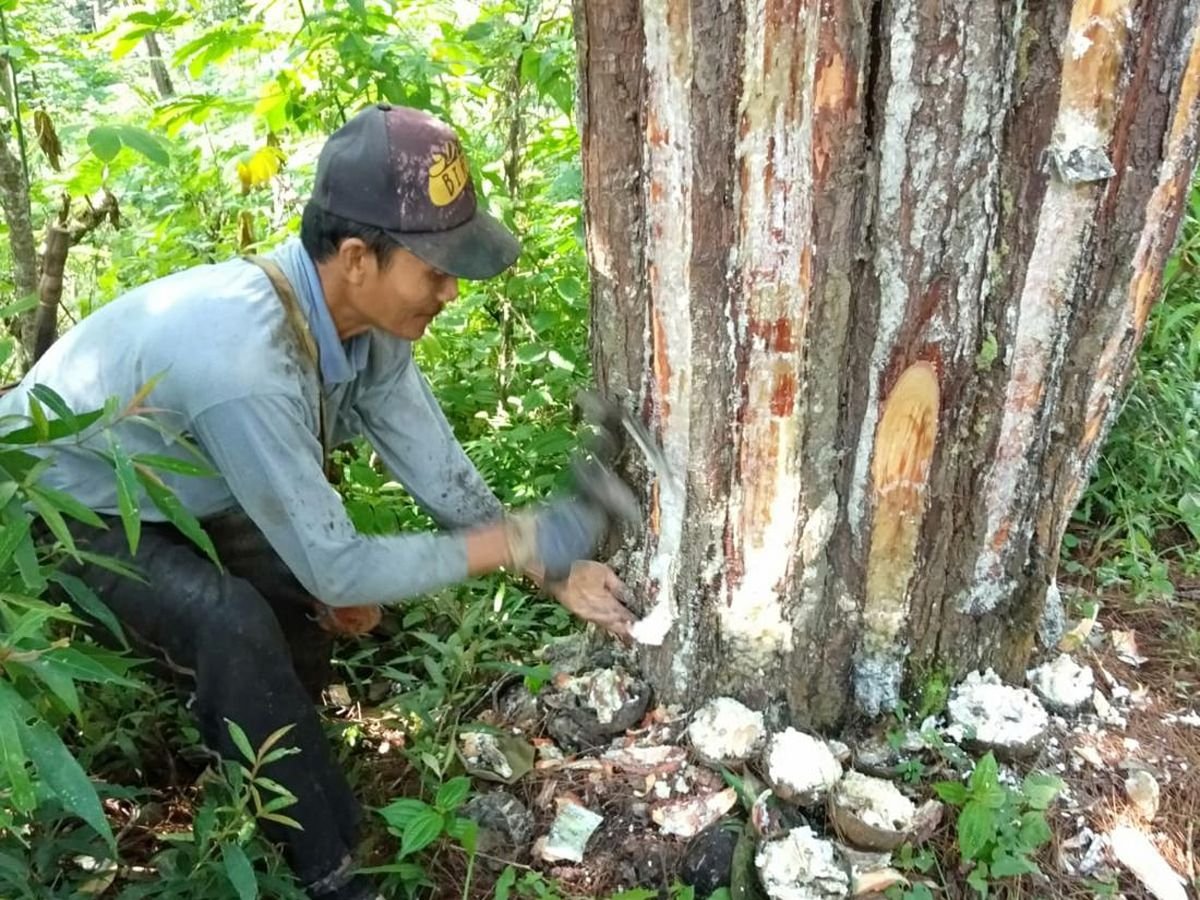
[663, 819]
[1145, 716]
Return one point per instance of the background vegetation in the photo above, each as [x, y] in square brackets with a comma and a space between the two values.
[194, 126]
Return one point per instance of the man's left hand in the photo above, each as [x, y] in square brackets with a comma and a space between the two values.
[593, 592]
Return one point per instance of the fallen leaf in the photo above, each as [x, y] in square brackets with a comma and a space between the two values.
[1090, 754]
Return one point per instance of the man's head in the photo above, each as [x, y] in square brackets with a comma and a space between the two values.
[393, 220]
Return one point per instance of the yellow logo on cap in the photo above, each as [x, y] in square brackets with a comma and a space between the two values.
[448, 176]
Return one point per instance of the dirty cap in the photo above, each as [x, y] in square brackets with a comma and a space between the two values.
[404, 171]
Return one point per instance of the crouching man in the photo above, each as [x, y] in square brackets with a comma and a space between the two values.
[268, 363]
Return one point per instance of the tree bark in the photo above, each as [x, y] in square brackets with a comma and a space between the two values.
[14, 197]
[61, 236]
[875, 272]
[158, 68]
[54, 263]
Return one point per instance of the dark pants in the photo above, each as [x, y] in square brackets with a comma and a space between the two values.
[244, 641]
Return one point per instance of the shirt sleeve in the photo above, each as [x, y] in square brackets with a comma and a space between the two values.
[406, 426]
[265, 449]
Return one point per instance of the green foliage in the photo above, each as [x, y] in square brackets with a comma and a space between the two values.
[1141, 513]
[222, 167]
[54, 681]
[419, 825]
[999, 827]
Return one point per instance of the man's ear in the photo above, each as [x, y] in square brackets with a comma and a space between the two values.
[353, 258]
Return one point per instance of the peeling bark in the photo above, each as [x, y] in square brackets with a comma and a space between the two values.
[875, 272]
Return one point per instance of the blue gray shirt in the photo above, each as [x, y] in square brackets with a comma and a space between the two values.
[236, 382]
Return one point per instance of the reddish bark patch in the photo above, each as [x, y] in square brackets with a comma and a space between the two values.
[662, 364]
[1093, 57]
[776, 334]
[759, 464]
[783, 394]
[656, 134]
[733, 561]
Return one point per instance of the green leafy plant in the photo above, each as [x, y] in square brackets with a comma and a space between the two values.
[999, 827]
[419, 824]
[1141, 513]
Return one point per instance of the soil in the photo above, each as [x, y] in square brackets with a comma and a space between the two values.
[629, 849]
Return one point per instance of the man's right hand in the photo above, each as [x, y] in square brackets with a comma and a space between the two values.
[555, 536]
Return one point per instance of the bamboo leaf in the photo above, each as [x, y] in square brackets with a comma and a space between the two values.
[168, 504]
[239, 871]
[57, 405]
[240, 740]
[82, 667]
[281, 819]
[41, 424]
[174, 464]
[109, 564]
[25, 556]
[143, 392]
[64, 502]
[56, 430]
[272, 739]
[60, 683]
[12, 756]
[60, 772]
[127, 494]
[52, 518]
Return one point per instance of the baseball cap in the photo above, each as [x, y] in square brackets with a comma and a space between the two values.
[404, 171]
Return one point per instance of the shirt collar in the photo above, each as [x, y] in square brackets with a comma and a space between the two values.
[341, 361]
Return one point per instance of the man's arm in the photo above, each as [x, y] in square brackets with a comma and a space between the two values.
[409, 431]
[271, 460]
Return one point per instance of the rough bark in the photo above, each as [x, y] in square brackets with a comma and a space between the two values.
[14, 197]
[875, 273]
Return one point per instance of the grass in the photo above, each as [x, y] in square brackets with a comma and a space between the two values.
[1139, 521]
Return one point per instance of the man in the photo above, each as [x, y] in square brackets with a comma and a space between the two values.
[266, 365]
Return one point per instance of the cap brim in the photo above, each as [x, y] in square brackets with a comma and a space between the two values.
[479, 248]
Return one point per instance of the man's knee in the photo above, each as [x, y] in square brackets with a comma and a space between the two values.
[242, 626]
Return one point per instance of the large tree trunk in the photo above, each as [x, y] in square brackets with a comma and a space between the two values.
[875, 272]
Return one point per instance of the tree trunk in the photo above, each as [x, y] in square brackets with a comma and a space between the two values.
[14, 197]
[875, 272]
[54, 263]
[158, 68]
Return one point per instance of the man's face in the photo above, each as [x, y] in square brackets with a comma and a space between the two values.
[403, 298]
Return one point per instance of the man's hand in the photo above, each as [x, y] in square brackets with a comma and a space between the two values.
[350, 620]
[555, 536]
[593, 592]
